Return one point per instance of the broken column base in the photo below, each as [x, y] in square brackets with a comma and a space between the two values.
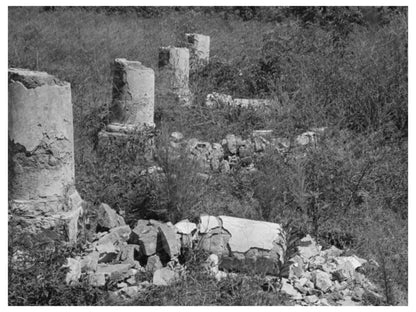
[58, 214]
[120, 141]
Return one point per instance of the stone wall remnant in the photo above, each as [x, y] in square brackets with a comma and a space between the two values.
[219, 100]
[173, 78]
[133, 93]
[41, 151]
[198, 46]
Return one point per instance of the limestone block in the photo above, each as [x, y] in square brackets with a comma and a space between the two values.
[145, 234]
[251, 103]
[308, 247]
[199, 49]
[306, 138]
[108, 218]
[164, 277]
[243, 244]
[133, 93]
[153, 263]
[231, 143]
[170, 244]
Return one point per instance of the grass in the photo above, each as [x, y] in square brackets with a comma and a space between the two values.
[347, 74]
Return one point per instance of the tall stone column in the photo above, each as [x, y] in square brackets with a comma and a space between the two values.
[41, 151]
[199, 50]
[173, 78]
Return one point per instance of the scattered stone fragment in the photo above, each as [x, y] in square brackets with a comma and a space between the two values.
[89, 262]
[129, 253]
[231, 143]
[306, 138]
[121, 285]
[225, 166]
[358, 293]
[296, 269]
[177, 136]
[323, 302]
[170, 243]
[332, 252]
[308, 247]
[322, 280]
[116, 236]
[311, 299]
[291, 291]
[74, 272]
[185, 227]
[153, 263]
[108, 218]
[164, 277]
[145, 234]
[97, 279]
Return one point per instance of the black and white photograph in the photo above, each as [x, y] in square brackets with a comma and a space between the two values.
[205, 155]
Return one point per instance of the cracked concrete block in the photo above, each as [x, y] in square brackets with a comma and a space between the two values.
[41, 150]
[173, 78]
[133, 93]
[199, 49]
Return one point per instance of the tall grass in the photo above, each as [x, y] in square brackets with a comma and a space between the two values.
[350, 188]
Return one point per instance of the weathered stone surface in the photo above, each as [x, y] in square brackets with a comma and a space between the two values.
[74, 272]
[90, 262]
[170, 244]
[297, 268]
[185, 227]
[243, 244]
[216, 241]
[306, 138]
[322, 280]
[251, 103]
[332, 252]
[40, 133]
[173, 75]
[218, 100]
[145, 234]
[108, 218]
[107, 252]
[164, 277]
[311, 299]
[308, 247]
[153, 263]
[116, 236]
[231, 143]
[115, 272]
[291, 291]
[225, 166]
[133, 93]
[97, 279]
[129, 253]
[177, 136]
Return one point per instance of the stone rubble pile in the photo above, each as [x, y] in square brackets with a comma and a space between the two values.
[326, 277]
[234, 151]
[120, 258]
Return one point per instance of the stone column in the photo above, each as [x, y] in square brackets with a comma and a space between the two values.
[133, 93]
[129, 136]
[173, 79]
[41, 150]
[199, 49]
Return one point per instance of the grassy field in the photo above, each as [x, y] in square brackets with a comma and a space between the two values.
[335, 68]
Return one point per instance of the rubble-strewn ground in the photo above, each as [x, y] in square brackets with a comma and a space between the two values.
[339, 69]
